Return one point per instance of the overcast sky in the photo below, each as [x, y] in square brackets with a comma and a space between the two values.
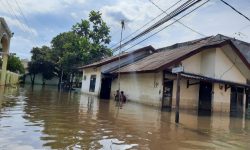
[47, 18]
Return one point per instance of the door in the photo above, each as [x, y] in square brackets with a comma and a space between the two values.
[236, 101]
[105, 88]
[167, 94]
[205, 96]
[92, 83]
[247, 98]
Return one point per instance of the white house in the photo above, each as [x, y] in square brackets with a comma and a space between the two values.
[96, 76]
[215, 76]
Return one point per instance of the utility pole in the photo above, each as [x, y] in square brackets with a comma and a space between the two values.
[178, 71]
[119, 62]
[177, 98]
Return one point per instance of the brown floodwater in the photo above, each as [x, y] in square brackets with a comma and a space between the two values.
[43, 118]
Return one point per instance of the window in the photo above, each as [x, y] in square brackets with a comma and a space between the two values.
[92, 83]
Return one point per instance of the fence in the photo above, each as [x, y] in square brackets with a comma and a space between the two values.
[11, 78]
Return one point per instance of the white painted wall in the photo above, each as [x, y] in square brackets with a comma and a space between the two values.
[143, 88]
[102, 69]
[85, 83]
[221, 98]
[226, 70]
[192, 64]
[188, 96]
[211, 63]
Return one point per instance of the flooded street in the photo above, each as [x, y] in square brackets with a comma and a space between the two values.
[43, 118]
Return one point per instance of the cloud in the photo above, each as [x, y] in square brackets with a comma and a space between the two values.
[33, 6]
[14, 23]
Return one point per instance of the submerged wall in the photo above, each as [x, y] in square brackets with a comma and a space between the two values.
[145, 88]
[189, 96]
[11, 78]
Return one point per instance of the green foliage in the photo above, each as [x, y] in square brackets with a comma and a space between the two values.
[94, 36]
[41, 63]
[86, 43]
[15, 65]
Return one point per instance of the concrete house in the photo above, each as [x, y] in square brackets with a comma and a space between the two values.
[215, 77]
[97, 78]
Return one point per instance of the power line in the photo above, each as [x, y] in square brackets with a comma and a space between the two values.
[168, 25]
[146, 24]
[235, 9]
[21, 12]
[174, 13]
[177, 20]
[15, 15]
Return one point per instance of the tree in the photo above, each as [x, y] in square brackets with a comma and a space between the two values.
[41, 63]
[14, 64]
[95, 33]
[33, 68]
[86, 43]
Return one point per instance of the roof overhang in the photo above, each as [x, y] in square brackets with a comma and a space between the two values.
[6, 28]
[209, 79]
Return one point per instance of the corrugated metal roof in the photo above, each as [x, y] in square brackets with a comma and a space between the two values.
[243, 47]
[169, 55]
[116, 57]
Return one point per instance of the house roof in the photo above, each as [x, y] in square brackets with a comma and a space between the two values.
[3, 22]
[168, 56]
[116, 57]
[242, 46]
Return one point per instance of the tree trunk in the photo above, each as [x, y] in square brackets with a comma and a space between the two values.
[71, 81]
[60, 80]
[44, 82]
[32, 78]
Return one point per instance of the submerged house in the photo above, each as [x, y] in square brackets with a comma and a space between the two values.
[215, 78]
[97, 77]
[215, 75]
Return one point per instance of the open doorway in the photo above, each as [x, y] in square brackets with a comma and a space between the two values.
[92, 83]
[236, 101]
[105, 88]
[205, 97]
[167, 94]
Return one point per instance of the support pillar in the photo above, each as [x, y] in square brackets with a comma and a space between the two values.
[4, 69]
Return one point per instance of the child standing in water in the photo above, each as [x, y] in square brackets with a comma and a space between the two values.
[123, 97]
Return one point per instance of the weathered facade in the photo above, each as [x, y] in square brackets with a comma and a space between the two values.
[215, 77]
[5, 36]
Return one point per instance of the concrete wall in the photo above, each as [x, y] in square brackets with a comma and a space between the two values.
[86, 82]
[226, 70]
[143, 88]
[11, 78]
[211, 63]
[221, 98]
[188, 96]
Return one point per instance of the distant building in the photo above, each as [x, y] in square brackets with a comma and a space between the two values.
[215, 77]
[25, 64]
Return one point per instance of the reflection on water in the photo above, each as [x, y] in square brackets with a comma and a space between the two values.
[44, 118]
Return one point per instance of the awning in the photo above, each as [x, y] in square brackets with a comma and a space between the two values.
[209, 79]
